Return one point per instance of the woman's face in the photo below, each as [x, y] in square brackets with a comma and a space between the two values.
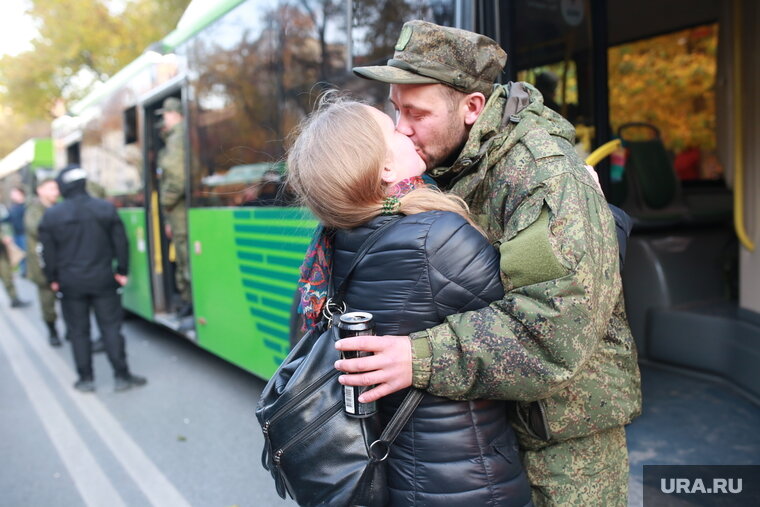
[402, 161]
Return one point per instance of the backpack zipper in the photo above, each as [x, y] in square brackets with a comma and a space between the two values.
[307, 430]
[308, 390]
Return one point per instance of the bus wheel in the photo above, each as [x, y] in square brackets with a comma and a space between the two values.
[296, 321]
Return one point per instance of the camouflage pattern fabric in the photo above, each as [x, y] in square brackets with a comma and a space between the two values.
[34, 263]
[171, 160]
[560, 334]
[6, 270]
[429, 53]
[587, 471]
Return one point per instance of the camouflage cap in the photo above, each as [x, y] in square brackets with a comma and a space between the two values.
[427, 53]
[170, 104]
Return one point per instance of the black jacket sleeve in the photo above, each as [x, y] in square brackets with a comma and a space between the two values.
[120, 244]
[623, 226]
[463, 266]
[49, 257]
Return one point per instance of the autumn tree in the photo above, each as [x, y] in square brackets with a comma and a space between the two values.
[80, 43]
[668, 81]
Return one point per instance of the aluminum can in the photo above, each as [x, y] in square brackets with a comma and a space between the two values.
[356, 324]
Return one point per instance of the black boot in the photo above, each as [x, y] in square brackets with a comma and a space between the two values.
[54, 340]
[17, 303]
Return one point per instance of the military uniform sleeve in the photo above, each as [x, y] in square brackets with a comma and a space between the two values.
[559, 268]
[48, 249]
[173, 171]
[32, 219]
[120, 244]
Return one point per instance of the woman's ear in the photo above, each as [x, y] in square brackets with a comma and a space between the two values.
[388, 175]
[473, 105]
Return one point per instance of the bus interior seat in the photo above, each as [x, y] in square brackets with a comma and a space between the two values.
[651, 192]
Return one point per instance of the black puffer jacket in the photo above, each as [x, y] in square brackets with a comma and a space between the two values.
[425, 267]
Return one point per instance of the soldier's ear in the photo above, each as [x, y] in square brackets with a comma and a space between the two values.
[473, 104]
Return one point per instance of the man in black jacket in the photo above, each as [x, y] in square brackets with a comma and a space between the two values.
[80, 239]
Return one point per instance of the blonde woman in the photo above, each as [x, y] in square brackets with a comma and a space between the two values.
[353, 170]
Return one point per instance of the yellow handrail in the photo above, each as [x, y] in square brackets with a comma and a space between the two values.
[603, 151]
[741, 232]
[158, 264]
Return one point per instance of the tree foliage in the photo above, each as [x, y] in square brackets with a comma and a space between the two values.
[80, 42]
[668, 81]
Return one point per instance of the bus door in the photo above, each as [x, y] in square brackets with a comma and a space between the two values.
[166, 298]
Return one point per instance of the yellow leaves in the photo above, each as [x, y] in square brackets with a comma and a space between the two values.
[668, 81]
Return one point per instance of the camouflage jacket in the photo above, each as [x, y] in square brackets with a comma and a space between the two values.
[560, 334]
[171, 160]
[32, 219]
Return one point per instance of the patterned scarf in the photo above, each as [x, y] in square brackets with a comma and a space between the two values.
[317, 265]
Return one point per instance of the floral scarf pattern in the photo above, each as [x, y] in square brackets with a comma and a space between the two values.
[316, 268]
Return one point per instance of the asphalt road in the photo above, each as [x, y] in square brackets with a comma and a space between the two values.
[189, 437]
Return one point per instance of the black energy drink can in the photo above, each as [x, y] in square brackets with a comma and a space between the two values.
[356, 324]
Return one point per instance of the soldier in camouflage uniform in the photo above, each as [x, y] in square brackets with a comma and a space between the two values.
[47, 195]
[171, 161]
[559, 342]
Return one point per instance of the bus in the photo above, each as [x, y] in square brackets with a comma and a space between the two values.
[673, 81]
[19, 168]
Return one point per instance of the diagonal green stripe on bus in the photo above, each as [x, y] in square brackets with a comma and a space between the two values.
[265, 267]
[273, 245]
[256, 283]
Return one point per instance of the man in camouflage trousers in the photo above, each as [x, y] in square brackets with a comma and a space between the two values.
[171, 161]
[6, 268]
[558, 342]
[47, 195]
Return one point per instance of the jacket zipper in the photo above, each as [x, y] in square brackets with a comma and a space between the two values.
[277, 456]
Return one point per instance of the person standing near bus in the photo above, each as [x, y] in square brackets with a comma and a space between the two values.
[558, 342]
[171, 164]
[47, 195]
[6, 268]
[86, 258]
[16, 218]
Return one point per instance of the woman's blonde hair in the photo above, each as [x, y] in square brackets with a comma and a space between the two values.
[335, 168]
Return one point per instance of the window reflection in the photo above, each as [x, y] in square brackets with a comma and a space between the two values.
[257, 72]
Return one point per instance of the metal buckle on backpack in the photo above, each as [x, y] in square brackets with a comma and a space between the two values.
[331, 308]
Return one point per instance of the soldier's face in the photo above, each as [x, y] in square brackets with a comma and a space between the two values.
[435, 123]
[402, 160]
[171, 118]
[48, 192]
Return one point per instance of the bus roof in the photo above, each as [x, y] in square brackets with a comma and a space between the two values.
[198, 15]
[35, 152]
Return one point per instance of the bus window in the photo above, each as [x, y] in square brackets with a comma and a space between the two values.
[253, 87]
[669, 82]
[73, 153]
[552, 49]
[130, 125]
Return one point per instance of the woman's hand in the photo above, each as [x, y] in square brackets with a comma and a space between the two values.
[389, 369]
